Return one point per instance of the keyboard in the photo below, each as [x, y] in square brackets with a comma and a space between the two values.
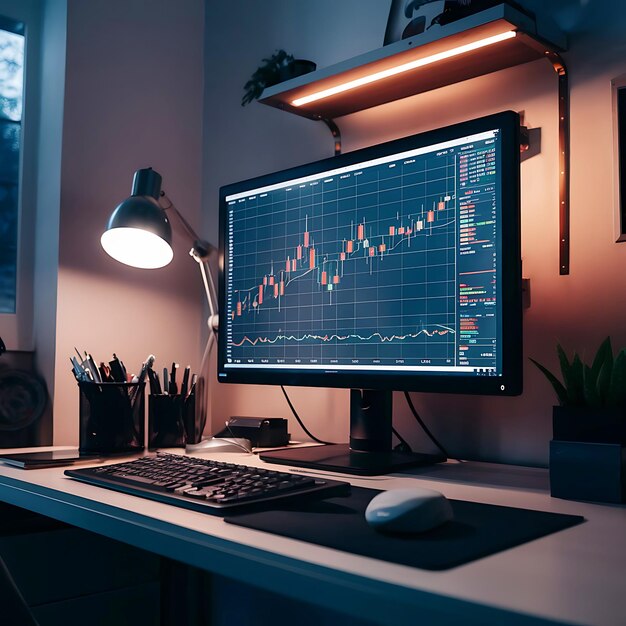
[208, 486]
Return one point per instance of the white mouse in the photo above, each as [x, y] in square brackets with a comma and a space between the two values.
[221, 444]
[413, 510]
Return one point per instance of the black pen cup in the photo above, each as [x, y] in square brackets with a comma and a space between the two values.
[112, 417]
[171, 421]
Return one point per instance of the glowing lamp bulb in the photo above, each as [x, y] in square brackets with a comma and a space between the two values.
[137, 247]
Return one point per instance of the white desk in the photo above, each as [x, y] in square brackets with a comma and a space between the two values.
[575, 576]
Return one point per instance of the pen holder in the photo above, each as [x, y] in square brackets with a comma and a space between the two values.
[112, 417]
[171, 421]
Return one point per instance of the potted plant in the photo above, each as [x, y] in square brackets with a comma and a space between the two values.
[589, 426]
[273, 70]
[592, 398]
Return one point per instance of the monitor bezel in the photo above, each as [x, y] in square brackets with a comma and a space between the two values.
[510, 382]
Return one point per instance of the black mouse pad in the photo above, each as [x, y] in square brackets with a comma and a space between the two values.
[477, 530]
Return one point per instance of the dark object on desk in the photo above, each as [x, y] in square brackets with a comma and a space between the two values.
[23, 398]
[53, 458]
[207, 486]
[24, 411]
[263, 432]
[341, 458]
[112, 417]
[3, 348]
[172, 421]
[476, 531]
[412, 510]
[588, 471]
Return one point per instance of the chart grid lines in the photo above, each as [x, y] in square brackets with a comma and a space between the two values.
[381, 265]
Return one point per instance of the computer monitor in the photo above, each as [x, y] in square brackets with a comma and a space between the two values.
[394, 267]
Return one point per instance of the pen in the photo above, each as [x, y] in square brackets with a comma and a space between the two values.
[91, 365]
[117, 371]
[173, 385]
[166, 381]
[105, 372]
[192, 389]
[152, 381]
[147, 364]
[124, 372]
[78, 370]
[184, 386]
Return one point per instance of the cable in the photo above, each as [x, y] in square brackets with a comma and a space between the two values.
[304, 428]
[403, 445]
[424, 427]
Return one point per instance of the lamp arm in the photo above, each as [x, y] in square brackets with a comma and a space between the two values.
[200, 252]
[209, 290]
[201, 247]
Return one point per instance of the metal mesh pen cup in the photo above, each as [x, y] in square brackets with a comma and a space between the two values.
[171, 421]
[112, 417]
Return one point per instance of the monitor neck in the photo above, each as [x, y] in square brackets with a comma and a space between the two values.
[370, 420]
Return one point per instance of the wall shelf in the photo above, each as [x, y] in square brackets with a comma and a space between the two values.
[494, 39]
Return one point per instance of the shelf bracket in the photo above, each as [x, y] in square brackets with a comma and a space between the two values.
[524, 139]
[336, 133]
[564, 161]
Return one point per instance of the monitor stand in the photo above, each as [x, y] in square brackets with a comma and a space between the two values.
[369, 452]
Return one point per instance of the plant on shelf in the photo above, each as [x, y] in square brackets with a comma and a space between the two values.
[275, 69]
[592, 398]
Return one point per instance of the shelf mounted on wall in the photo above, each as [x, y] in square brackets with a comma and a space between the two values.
[482, 43]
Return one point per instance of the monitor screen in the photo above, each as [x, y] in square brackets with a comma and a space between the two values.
[391, 267]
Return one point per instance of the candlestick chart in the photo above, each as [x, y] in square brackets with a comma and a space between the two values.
[357, 267]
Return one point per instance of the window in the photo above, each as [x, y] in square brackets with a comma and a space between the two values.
[11, 99]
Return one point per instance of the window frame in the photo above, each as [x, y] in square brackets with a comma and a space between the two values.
[16, 329]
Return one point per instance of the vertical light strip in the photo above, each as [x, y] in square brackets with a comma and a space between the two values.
[405, 67]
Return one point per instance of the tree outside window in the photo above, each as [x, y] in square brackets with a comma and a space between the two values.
[11, 96]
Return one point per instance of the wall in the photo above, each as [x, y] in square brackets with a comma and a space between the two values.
[133, 94]
[578, 310]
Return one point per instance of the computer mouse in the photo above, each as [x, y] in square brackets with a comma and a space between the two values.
[412, 510]
[221, 444]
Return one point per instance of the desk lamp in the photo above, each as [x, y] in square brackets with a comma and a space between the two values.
[139, 234]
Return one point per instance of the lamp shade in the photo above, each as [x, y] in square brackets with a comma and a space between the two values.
[138, 232]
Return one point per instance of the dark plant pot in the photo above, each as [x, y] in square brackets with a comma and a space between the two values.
[296, 68]
[589, 425]
[588, 471]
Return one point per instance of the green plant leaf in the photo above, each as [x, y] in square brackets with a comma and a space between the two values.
[601, 370]
[590, 388]
[574, 382]
[563, 362]
[265, 75]
[558, 387]
[604, 353]
[603, 381]
[616, 397]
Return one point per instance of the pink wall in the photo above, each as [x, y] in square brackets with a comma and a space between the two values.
[578, 310]
[133, 94]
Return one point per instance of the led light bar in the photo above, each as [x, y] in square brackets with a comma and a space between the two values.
[404, 67]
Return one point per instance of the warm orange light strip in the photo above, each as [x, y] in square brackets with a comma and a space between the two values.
[405, 67]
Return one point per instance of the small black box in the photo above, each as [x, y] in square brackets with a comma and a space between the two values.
[263, 432]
